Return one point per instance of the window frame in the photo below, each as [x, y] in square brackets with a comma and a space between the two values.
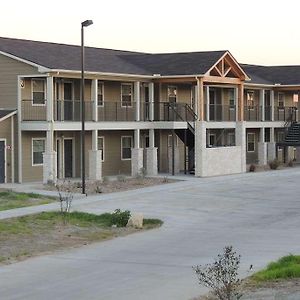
[248, 92]
[101, 83]
[176, 93]
[45, 91]
[250, 134]
[103, 147]
[32, 156]
[281, 107]
[131, 95]
[215, 137]
[230, 134]
[131, 142]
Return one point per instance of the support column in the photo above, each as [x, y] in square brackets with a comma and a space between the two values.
[262, 103]
[49, 160]
[19, 116]
[289, 154]
[207, 103]
[137, 98]
[151, 156]
[94, 96]
[151, 101]
[271, 146]
[200, 148]
[262, 148]
[136, 155]
[95, 159]
[49, 103]
[241, 102]
[236, 102]
[200, 111]
[240, 133]
[272, 104]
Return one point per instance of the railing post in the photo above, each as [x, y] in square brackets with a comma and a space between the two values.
[49, 100]
[137, 99]
[272, 104]
[151, 101]
[262, 103]
[94, 93]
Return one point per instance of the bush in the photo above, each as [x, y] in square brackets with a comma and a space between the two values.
[121, 178]
[290, 163]
[274, 164]
[252, 168]
[222, 275]
[120, 218]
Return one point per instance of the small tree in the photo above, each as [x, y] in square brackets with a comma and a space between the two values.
[65, 198]
[222, 275]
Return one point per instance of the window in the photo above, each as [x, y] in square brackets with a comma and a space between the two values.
[100, 93]
[280, 136]
[250, 142]
[231, 139]
[38, 148]
[281, 100]
[172, 94]
[38, 91]
[170, 141]
[126, 94]
[101, 146]
[295, 98]
[250, 99]
[126, 145]
[231, 97]
[212, 140]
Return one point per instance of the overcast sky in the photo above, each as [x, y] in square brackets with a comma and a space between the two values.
[258, 31]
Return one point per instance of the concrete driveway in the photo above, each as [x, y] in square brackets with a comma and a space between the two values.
[257, 213]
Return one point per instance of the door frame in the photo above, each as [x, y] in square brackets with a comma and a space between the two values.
[61, 156]
[5, 169]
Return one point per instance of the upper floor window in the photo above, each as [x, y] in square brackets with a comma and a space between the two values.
[295, 98]
[172, 94]
[231, 95]
[281, 100]
[126, 94]
[38, 148]
[38, 91]
[250, 99]
[100, 93]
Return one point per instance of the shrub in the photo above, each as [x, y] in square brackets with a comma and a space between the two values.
[222, 275]
[290, 163]
[105, 179]
[165, 179]
[121, 178]
[274, 164]
[120, 218]
[252, 168]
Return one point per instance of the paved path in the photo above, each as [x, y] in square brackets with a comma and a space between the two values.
[257, 213]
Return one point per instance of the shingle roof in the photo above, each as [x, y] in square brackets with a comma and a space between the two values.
[67, 57]
[188, 63]
[286, 75]
[5, 112]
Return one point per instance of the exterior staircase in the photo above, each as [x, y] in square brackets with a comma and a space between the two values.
[292, 137]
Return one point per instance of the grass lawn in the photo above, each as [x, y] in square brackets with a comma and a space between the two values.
[10, 200]
[286, 267]
[46, 232]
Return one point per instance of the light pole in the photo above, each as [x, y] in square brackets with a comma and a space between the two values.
[83, 24]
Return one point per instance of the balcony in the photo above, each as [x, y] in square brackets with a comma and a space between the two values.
[220, 113]
[70, 110]
[33, 112]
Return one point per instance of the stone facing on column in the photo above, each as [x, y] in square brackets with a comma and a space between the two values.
[176, 160]
[95, 164]
[271, 148]
[136, 161]
[262, 154]
[151, 161]
[49, 167]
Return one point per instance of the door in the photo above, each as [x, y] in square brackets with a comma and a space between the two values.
[2, 161]
[68, 158]
[267, 106]
[68, 101]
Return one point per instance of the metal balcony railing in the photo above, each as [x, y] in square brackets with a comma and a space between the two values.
[70, 110]
[220, 113]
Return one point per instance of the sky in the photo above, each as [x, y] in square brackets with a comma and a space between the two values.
[256, 32]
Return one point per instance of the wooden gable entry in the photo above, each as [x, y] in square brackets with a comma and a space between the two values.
[226, 70]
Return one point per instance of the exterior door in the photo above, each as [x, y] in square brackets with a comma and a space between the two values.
[68, 101]
[68, 158]
[267, 106]
[2, 162]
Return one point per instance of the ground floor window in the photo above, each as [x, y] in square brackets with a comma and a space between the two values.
[170, 137]
[250, 142]
[126, 145]
[101, 146]
[231, 139]
[38, 148]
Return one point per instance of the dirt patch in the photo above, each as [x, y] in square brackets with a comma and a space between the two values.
[44, 233]
[120, 184]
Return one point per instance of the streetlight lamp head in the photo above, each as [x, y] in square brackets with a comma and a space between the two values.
[86, 23]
